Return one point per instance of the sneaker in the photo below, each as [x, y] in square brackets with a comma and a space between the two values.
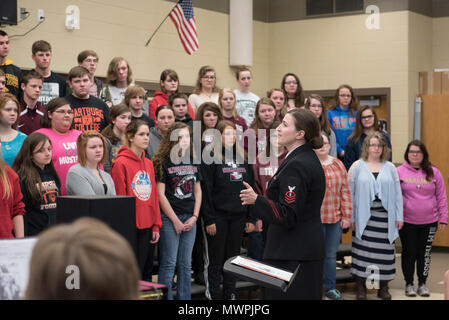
[333, 294]
[410, 291]
[423, 291]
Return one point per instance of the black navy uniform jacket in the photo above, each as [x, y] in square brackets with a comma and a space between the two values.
[292, 208]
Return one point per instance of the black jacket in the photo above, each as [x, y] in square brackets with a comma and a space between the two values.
[221, 188]
[292, 208]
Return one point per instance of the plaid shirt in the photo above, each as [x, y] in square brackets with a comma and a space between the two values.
[337, 202]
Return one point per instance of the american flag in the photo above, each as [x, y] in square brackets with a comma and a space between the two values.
[182, 17]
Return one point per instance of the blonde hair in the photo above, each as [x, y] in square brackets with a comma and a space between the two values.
[106, 263]
[382, 141]
[220, 96]
[81, 145]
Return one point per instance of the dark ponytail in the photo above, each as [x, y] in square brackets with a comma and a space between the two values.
[305, 120]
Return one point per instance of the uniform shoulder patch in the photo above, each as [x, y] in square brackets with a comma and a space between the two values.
[290, 196]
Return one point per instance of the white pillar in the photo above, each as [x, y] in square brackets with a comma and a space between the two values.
[241, 32]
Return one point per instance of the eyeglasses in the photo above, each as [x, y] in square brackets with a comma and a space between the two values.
[367, 117]
[415, 152]
[91, 60]
[291, 82]
[64, 112]
[345, 95]
[376, 146]
[209, 77]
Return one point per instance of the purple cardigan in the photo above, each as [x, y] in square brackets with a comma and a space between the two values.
[424, 202]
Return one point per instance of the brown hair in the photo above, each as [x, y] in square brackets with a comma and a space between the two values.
[425, 165]
[81, 144]
[114, 112]
[353, 106]
[77, 72]
[239, 151]
[299, 94]
[306, 121]
[106, 263]
[166, 146]
[201, 73]
[283, 110]
[358, 130]
[168, 73]
[324, 123]
[383, 142]
[4, 98]
[111, 77]
[40, 45]
[25, 168]
[86, 53]
[31, 75]
[257, 123]
[241, 69]
[132, 92]
[131, 131]
[177, 95]
[51, 107]
[207, 106]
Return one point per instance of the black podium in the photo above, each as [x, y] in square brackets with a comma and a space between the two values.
[258, 277]
[118, 212]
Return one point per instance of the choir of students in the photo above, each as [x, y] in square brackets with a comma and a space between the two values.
[174, 199]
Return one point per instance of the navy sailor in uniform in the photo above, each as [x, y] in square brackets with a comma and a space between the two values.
[291, 207]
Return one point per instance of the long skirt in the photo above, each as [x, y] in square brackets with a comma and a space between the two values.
[373, 256]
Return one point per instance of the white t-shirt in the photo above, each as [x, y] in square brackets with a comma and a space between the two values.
[246, 105]
[196, 100]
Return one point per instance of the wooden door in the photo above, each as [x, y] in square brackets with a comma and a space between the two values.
[435, 135]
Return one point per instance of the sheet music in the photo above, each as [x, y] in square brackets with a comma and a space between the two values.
[262, 268]
[15, 255]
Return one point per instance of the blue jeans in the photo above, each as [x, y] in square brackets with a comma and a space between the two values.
[332, 237]
[176, 253]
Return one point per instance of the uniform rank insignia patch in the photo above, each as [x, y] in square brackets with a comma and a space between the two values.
[290, 196]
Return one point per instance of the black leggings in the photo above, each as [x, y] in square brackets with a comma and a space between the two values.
[416, 248]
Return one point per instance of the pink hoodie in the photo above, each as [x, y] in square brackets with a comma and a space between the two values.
[424, 201]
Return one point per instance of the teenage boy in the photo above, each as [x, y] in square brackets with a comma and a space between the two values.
[90, 113]
[135, 99]
[12, 72]
[31, 111]
[54, 84]
[180, 104]
[89, 60]
[246, 101]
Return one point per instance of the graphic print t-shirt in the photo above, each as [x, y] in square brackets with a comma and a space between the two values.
[89, 114]
[179, 185]
[54, 86]
[64, 152]
[246, 105]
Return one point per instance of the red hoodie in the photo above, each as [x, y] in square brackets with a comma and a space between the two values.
[159, 99]
[135, 177]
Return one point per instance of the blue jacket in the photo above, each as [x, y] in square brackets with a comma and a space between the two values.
[343, 124]
[364, 189]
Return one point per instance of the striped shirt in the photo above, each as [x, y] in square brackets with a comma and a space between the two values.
[337, 202]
